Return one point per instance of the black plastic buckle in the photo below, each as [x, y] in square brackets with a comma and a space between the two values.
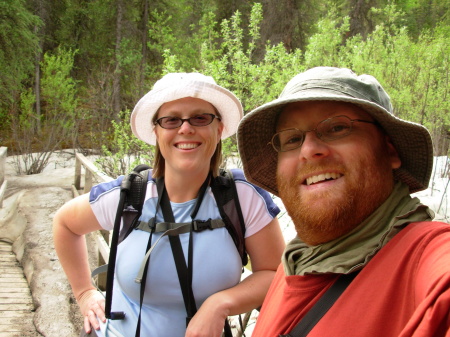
[152, 223]
[201, 225]
[117, 315]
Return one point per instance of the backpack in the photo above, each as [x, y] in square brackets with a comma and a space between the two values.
[132, 195]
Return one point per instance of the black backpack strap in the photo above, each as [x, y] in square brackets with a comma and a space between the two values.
[184, 270]
[125, 192]
[321, 307]
[197, 226]
[227, 199]
[135, 201]
[178, 255]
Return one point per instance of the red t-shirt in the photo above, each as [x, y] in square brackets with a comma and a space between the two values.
[403, 291]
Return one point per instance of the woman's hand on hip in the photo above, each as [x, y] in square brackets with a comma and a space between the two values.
[92, 307]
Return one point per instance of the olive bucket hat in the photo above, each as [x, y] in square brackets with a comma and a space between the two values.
[412, 141]
[175, 86]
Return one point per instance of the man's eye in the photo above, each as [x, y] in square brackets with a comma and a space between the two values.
[337, 129]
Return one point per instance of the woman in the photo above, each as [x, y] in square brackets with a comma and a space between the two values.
[185, 116]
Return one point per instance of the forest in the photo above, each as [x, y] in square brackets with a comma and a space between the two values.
[72, 70]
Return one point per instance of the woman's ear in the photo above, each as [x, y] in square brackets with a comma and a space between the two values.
[219, 131]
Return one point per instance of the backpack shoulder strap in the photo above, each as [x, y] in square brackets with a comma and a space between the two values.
[225, 193]
[321, 307]
[134, 202]
[132, 193]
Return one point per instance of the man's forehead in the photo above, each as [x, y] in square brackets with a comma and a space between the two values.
[313, 110]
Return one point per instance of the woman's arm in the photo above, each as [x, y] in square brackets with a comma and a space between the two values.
[264, 248]
[71, 222]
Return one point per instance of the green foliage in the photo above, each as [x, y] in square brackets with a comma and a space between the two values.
[18, 47]
[414, 72]
[163, 38]
[404, 45]
[323, 48]
[59, 89]
[125, 151]
[38, 135]
[229, 61]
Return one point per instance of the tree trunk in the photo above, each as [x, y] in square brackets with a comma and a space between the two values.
[37, 84]
[144, 48]
[280, 18]
[39, 31]
[116, 99]
[360, 22]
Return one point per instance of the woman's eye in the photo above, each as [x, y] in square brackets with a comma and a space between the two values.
[199, 118]
[171, 119]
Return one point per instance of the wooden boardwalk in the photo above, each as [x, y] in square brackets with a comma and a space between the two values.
[16, 305]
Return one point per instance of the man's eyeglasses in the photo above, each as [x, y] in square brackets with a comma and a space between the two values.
[329, 129]
[172, 122]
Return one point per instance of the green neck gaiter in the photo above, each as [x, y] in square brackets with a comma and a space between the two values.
[355, 249]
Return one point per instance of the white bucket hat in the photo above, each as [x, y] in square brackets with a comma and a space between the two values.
[174, 86]
[412, 141]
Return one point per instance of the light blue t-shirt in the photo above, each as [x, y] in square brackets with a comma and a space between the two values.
[216, 261]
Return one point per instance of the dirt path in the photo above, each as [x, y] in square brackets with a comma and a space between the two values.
[26, 222]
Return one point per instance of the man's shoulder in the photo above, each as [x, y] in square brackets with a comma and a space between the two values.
[416, 236]
[428, 227]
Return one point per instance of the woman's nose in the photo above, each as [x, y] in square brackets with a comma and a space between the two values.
[186, 127]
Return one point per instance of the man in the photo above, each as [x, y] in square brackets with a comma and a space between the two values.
[344, 166]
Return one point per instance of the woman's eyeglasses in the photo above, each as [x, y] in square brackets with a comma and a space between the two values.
[172, 122]
[329, 129]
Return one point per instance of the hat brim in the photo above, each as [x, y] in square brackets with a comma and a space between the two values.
[224, 101]
[412, 141]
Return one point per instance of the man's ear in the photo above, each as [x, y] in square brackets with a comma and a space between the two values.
[393, 154]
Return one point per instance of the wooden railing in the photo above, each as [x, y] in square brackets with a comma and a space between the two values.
[91, 176]
[3, 182]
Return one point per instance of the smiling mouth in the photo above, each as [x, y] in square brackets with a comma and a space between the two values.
[187, 146]
[322, 177]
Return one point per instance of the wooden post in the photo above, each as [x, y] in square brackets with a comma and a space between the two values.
[77, 181]
[101, 237]
[87, 181]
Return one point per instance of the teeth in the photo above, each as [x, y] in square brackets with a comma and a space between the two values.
[322, 177]
[186, 146]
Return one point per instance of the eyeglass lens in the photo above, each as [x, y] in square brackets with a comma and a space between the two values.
[172, 122]
[328, 129]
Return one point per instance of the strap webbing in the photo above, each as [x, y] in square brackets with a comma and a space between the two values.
[198, 225]
[184, 270]
[321, 307]
[142, 288]
[124, 188]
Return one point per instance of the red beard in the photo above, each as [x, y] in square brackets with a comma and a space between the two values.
[325, 215]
